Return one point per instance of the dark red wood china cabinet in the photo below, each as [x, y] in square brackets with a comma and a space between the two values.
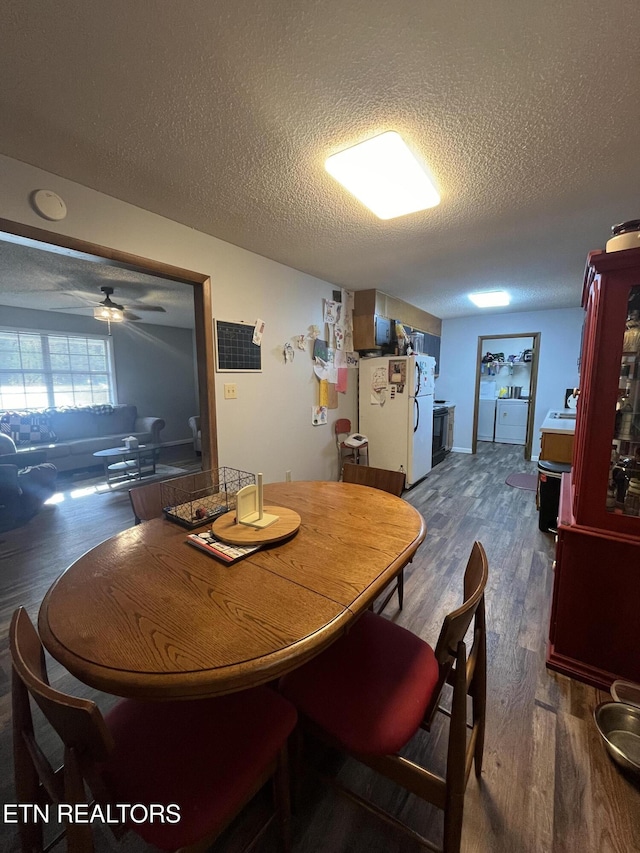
[595, 615]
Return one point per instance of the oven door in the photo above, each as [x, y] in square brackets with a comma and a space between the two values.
[440, 419]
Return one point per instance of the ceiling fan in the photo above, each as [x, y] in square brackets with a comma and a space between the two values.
[112, 312]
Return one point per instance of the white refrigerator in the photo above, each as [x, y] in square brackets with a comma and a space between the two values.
[396, 412]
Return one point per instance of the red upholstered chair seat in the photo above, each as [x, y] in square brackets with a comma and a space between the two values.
[370, 689]
[151, 761]
[207, 756]
[376, 687]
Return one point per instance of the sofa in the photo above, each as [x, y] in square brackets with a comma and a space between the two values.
[71, 435]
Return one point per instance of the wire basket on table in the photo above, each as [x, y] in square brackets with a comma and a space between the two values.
[194, 499]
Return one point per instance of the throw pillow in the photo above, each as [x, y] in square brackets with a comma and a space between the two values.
[27, 428]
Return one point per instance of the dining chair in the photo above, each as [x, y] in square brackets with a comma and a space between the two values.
[342, 431]
[208, 757]
[146, 502]
[372, 691]
[387, 481]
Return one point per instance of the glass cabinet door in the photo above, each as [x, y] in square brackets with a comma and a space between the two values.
[623, 493]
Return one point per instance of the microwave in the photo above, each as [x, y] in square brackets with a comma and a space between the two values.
[383, 331]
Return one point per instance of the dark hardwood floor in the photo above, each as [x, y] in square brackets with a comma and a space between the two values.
[547, 783]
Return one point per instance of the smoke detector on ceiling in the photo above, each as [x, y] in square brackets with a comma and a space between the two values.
[48, 204]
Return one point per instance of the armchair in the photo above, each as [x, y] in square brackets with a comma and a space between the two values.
[26, 481]
[194, 423]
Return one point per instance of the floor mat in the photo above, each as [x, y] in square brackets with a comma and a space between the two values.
[523, 481]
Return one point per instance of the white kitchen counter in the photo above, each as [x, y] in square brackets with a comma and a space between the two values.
[559, 426]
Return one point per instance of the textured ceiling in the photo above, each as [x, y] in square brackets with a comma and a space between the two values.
[220, 115]
[32, 278]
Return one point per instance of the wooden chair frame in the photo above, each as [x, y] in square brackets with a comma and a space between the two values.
[343, 427]
[466, 673]
[87, 742]
[392, 482]
[146, 501]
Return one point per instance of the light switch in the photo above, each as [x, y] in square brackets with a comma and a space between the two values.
[230, 391]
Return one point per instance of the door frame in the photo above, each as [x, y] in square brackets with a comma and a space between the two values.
[535, 336]
[39, 238]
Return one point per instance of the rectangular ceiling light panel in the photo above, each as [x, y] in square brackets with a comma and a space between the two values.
[490, 300]
[385, 176]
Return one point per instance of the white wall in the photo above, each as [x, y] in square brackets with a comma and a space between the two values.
[560, 335]
[268, 428]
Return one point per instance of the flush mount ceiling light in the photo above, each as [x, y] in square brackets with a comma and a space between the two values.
[490, 300]
[384, 175]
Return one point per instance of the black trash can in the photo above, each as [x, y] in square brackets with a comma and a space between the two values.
[549, 474]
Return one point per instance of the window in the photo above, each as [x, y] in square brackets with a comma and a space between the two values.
[41, 369]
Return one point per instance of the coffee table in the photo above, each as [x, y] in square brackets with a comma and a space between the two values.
[132, 463]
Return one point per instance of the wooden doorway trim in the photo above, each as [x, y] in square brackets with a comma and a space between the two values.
[535, 336]
[27, 235]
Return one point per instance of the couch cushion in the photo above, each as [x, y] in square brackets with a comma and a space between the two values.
[57, 451]
[73, 423]
[103, 442]
[120, 420]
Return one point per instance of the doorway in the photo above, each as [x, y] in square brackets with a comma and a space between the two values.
[38, 238]
[505, 389]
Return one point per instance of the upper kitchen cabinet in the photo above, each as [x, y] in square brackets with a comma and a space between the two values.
[432, 347]
[374, 313]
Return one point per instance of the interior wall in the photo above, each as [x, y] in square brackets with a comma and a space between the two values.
[148, 360]
[560, 336]
[268, 427]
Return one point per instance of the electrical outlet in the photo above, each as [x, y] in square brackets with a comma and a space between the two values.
[230, 391]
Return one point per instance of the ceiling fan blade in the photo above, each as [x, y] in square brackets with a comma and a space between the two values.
[140, 306]
[129, 315]
[73, 308]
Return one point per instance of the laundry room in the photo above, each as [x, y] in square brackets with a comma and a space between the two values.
[504, 389]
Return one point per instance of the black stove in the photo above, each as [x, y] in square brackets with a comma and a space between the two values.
[440, 424]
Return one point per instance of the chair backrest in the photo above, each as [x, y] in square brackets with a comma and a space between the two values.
[457, 622]
[146, 501]
[450, 643]
[341, 427]
[378, 478]
[78, 722]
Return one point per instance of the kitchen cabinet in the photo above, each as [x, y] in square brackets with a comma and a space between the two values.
[432, 347]
[450, 422]
[557, 436]
[367, 331]
[371, 305]
[511, 421]
[593, 634]
[556, 448]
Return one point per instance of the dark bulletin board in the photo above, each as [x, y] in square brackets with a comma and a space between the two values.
[235, 348]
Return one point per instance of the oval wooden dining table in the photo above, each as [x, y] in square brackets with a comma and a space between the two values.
[146, 615]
